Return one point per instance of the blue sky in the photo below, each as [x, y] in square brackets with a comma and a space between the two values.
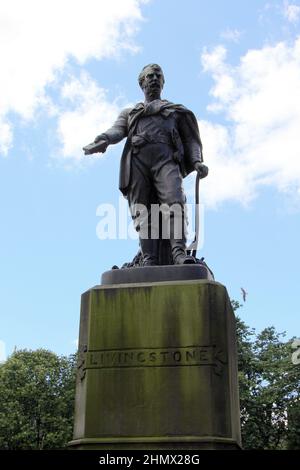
[67, 69]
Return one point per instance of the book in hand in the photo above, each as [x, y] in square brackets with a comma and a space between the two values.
[95, 147]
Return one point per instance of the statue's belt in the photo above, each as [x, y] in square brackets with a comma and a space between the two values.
[140, 140]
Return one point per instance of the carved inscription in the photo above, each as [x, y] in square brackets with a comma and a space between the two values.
[155, 357]
[81, 361]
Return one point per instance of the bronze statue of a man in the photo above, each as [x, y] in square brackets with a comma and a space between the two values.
[163, 146]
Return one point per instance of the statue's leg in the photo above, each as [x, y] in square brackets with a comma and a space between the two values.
[139, 199]
[168, 184]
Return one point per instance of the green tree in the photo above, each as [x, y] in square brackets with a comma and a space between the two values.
[37, 394]
[293, 441]
[36, 400]
[269, 388]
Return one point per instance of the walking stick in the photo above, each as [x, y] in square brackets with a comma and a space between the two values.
[192, 248]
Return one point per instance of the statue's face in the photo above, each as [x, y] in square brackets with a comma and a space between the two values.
[153, 81]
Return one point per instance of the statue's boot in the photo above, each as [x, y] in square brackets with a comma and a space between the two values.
[179, 252]
[149, 249]
[178, 245]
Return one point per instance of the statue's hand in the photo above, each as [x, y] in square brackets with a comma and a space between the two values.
[101, 145]
[96, 147]
[98, 138]
[201, 169]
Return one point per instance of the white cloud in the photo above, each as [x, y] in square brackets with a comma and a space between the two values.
[291, 11]
[228, 178]
[260, 145]
[5, 137]
[38, 38]
[92, 113]
[231, 35]
[214, 63]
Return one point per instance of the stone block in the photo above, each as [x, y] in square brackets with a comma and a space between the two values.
[157, 368]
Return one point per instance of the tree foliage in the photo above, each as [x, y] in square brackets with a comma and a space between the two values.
[36, 400]
[269, 389]
[37, 394]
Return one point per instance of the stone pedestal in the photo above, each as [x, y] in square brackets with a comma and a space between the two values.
[157, 368]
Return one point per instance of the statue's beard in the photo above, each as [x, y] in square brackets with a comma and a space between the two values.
[153, 89]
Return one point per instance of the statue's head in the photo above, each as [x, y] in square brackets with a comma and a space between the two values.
[151, 78]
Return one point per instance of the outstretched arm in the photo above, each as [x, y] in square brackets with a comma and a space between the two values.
[113, 135]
